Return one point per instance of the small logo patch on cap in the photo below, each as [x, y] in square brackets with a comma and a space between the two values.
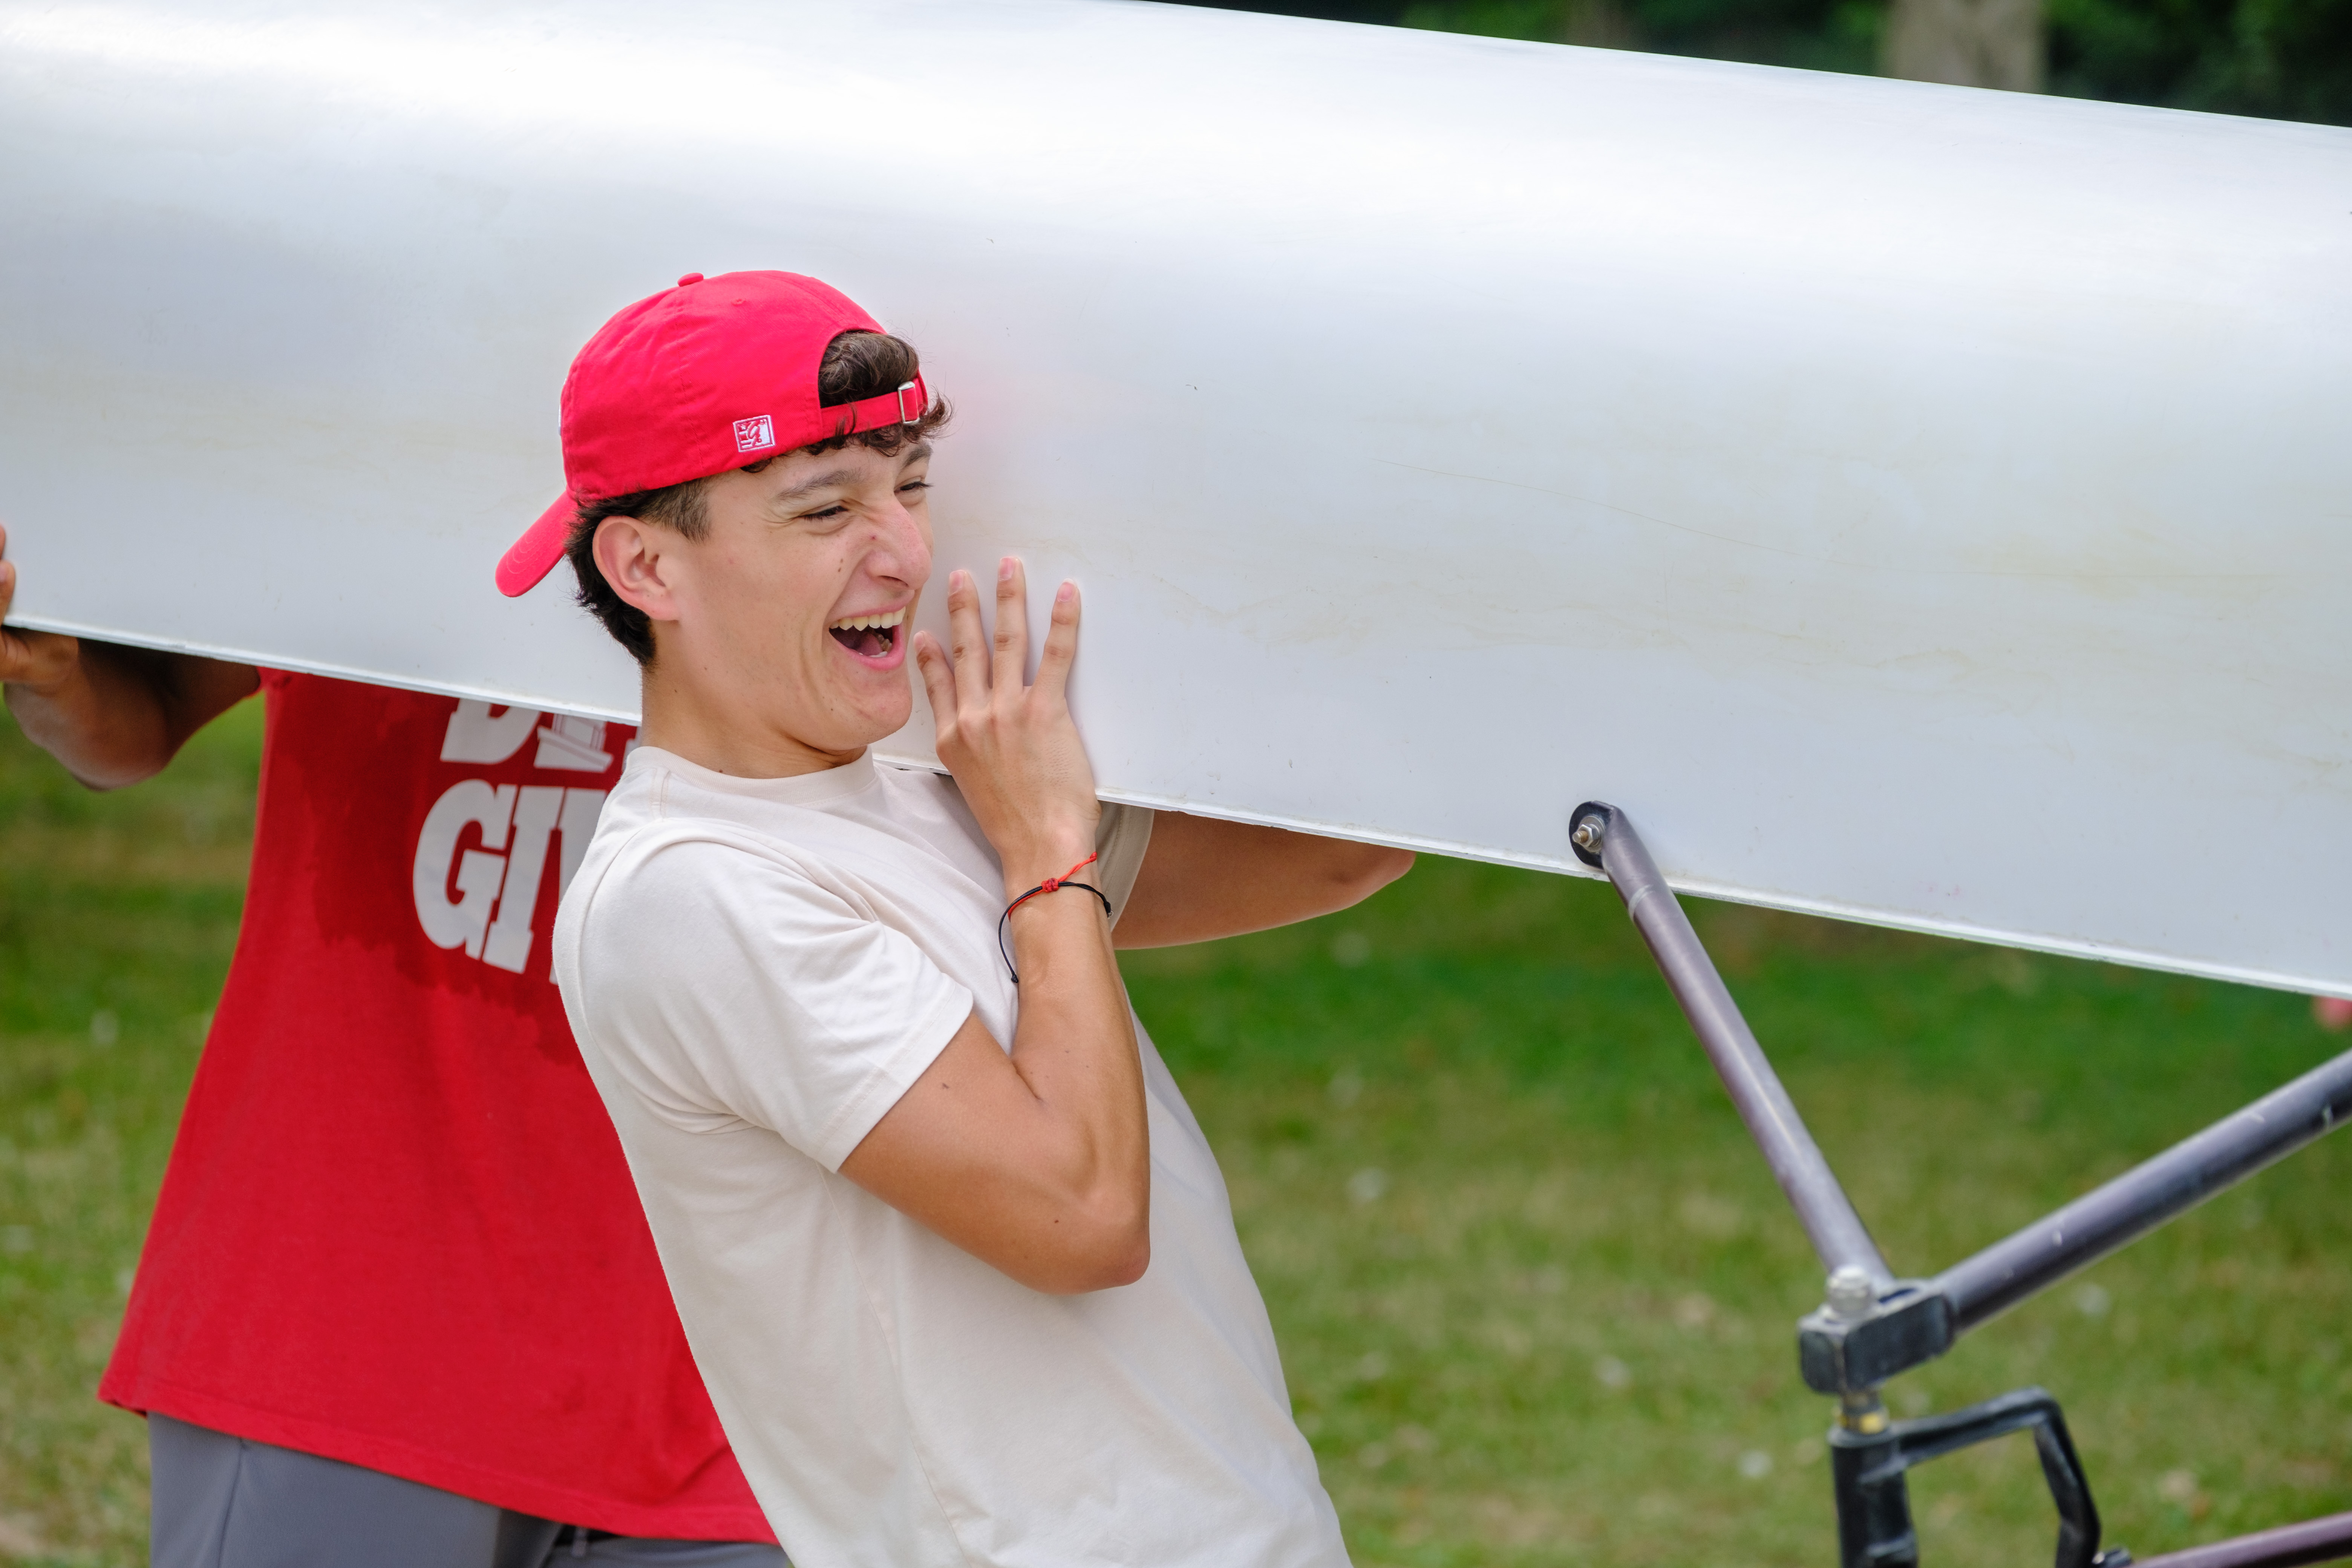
[755, 434]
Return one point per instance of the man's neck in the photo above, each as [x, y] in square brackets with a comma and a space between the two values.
[685, 723]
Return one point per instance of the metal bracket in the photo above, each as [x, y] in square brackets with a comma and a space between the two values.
[1869, 1469]
[1840, 1352]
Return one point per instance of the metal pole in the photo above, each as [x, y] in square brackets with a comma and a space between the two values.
[1603, 837]
[2143, 1197]
[2325, 1540]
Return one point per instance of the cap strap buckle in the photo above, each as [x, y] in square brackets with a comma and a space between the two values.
[904, 407]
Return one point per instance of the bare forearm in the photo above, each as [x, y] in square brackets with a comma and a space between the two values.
[1203, 878]
[1036, 1163]
[119, 715]
[1074, 1047]
[101, 720]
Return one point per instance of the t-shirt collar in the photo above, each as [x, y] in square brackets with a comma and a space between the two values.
[800, 789]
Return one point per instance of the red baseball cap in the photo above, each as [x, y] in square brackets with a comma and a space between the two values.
[709, 375]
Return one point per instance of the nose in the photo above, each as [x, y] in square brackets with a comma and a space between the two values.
[902, 547]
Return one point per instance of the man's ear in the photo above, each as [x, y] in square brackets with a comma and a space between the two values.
[638, 560]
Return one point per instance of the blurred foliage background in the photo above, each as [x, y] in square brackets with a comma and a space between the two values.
[2286, 59]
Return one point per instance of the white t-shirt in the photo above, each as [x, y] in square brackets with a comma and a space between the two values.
[757, 969]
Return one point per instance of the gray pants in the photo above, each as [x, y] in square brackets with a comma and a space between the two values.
[228, 1502]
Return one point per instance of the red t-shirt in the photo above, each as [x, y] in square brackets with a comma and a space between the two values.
[396, 1228]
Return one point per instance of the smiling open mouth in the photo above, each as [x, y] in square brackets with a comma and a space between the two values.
[872, 637]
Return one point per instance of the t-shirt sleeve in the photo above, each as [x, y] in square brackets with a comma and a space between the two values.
[1121, 838]
[724, 979]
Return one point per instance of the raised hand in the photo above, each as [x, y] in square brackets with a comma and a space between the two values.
[1037, 1162]
[1010, 743]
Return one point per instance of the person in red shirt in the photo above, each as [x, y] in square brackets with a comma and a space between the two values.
[399, 1305]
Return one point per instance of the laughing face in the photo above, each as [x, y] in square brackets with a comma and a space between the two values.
[784, 627]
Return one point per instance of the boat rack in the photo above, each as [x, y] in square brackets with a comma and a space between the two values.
[1872, 1326]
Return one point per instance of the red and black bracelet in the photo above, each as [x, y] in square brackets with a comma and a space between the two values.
[1050, 885]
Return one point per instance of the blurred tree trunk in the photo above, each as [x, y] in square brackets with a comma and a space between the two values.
[1968, 43]
[1599, 24]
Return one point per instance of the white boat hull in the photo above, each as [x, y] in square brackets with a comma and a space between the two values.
[1920, 505]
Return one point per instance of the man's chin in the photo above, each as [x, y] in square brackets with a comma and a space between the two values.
[859, 720]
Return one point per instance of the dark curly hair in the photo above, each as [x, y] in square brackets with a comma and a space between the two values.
[857, 365]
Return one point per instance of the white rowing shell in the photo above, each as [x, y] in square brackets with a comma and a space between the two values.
[1917, 504]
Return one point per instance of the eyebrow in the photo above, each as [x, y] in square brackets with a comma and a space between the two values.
[808, 487]
[811, 486]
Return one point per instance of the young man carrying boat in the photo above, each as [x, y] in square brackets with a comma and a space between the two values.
[953, 1256]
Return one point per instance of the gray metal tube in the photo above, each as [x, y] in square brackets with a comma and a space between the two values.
[1836, 1231]
[2143, 1197]
[2327, 1539]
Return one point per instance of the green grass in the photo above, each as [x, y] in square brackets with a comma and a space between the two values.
[118, 914]
[1534, 1288]
[1557, 1326]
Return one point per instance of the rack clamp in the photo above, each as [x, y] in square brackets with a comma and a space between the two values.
[1860, 1337]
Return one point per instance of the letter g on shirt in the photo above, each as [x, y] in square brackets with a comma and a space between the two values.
[458, 890]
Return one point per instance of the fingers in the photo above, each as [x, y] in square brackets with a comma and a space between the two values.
[17, 661]
[1012, 627]
[967, 644]
[38, 659]
[1061, 643]
[971, 669]
[939, 684]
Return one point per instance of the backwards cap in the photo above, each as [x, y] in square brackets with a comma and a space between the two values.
[712, 375]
